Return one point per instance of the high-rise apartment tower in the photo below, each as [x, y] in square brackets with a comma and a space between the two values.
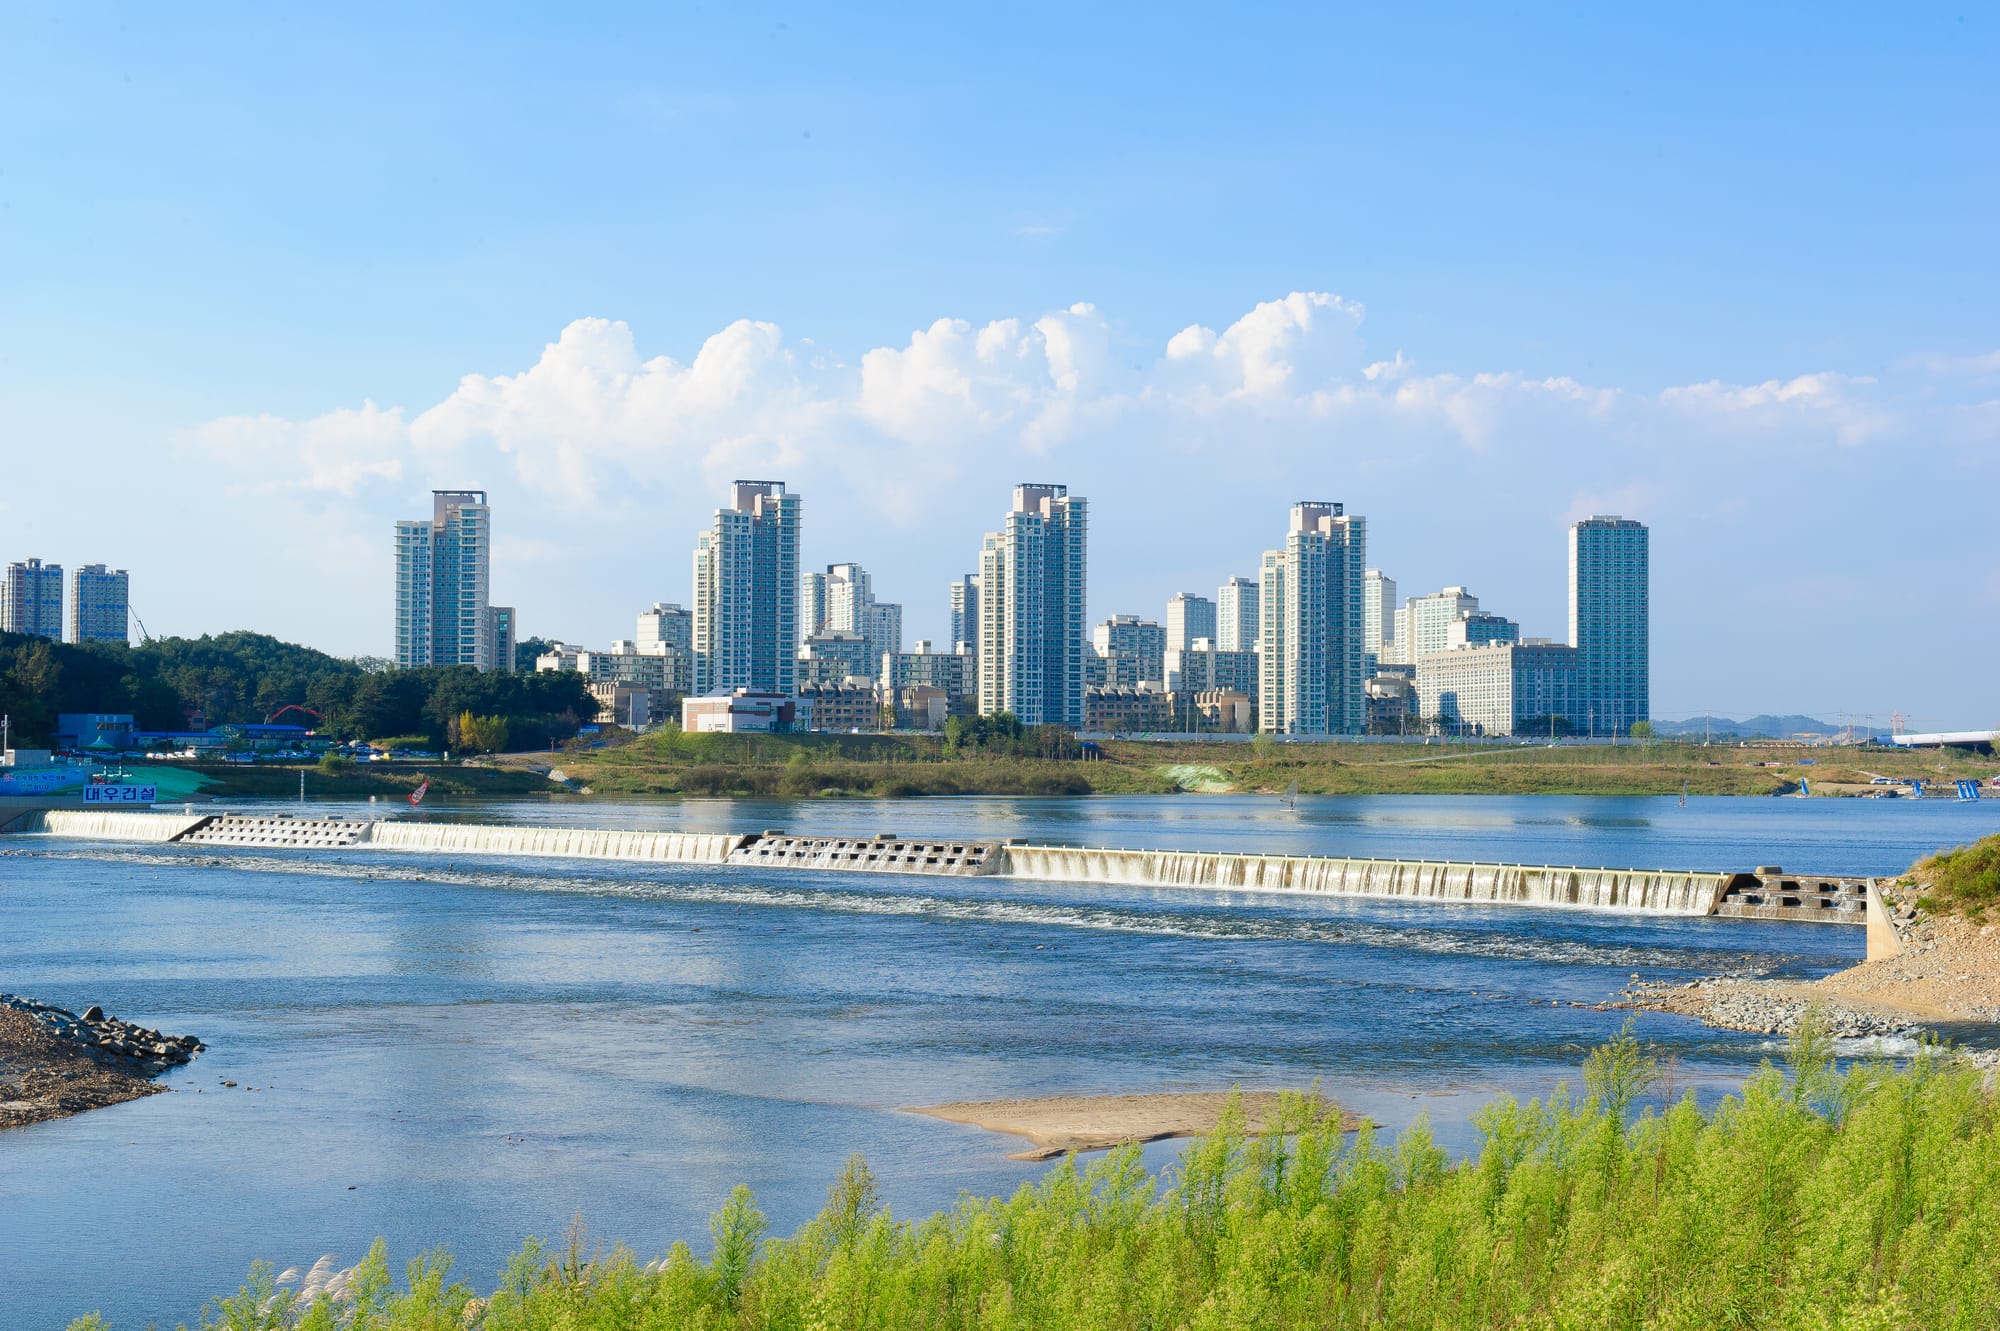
[1236, 617]
[31, 601]
[1032, 638]
[1610, 622]
[444, 610]
[1378, 616]
[1312, 670]
[99, 604]
[1189, 617]
[746, 592]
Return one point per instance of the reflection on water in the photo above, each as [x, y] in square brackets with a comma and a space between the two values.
[464, 1049]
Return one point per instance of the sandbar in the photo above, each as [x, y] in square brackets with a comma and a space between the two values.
[1064, 1124]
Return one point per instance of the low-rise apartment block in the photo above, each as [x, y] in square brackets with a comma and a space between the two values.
[1529, 688]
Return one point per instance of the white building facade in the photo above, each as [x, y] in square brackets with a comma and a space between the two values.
[1428, 620]
[1132, 650]
[746, 592]
[1032, 637]
[1501, 688]
[1236, 615]
[444, 610]
[1378, 617]
[1312, 668]
[1189, 617]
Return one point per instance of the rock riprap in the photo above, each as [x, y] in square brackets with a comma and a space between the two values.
[54, 1062]
[147, 1051]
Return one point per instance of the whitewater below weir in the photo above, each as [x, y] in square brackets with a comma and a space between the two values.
[467, 1049]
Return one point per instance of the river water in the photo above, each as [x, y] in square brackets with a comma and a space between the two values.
[465, 1050]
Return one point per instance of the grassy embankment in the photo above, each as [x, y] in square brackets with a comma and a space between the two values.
[1830, 1200]
[357, 779]
[881, 765]
[1964, 880]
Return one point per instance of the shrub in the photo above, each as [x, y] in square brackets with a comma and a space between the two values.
[1770, 1210]
[1964, 880]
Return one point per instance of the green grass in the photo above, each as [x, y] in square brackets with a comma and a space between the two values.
[272, 781]
[813, 765]
[1864, 1199]
[1964, 880]
[804, 766]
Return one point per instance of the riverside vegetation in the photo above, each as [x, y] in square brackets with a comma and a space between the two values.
[667, 762]
[1860, 1198]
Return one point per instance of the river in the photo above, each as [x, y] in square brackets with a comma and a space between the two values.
[467, 1050]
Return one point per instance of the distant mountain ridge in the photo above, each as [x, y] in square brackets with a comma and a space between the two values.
[1756, 727]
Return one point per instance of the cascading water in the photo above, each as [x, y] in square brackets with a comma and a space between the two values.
[1664, 892]
[564, 842]
[110, 824]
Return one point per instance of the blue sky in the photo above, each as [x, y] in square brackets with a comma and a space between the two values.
[1473, 273]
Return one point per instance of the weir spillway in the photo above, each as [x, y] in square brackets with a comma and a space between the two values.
[1766, 893]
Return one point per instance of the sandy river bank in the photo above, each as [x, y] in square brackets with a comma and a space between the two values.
[1064, 1124]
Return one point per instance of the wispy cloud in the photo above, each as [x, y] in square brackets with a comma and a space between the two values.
[1979, 364]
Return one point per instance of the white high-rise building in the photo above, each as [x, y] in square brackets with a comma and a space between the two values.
[1032, 637]
[965, 616]
[1133, 650]
[812, 605]
[444, 610]
[99, 604]
[666, 631]
[842, 600]
[746, 592]
[1610, 622]
[1189, 617]
[32, 600]
[662, 626]
[848, 590]
[1236, 617]
[1313, 670]
[1429, 619]
[1378, 617]
[881, 623]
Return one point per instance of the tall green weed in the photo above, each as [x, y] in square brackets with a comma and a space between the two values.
[1825, 1199]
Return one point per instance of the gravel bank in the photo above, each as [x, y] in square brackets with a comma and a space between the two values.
[54, 1062]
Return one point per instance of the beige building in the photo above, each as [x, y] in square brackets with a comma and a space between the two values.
[1527, 688]
[1114, 708]
[630, 705]
[1225, 711]
[844, 706]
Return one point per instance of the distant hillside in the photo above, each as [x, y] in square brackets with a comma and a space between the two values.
[1756, 727]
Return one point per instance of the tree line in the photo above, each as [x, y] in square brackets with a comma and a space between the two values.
[242, 678]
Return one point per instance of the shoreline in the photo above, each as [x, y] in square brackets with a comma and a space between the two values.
[55, 1063]
[1059, 1125]
[1945, 973]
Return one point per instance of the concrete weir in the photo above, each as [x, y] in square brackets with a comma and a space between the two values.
[1655, 892]
[108, 824]
[578, 843]
[1767, 894]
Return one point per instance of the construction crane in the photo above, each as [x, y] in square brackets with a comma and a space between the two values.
[144, 637]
